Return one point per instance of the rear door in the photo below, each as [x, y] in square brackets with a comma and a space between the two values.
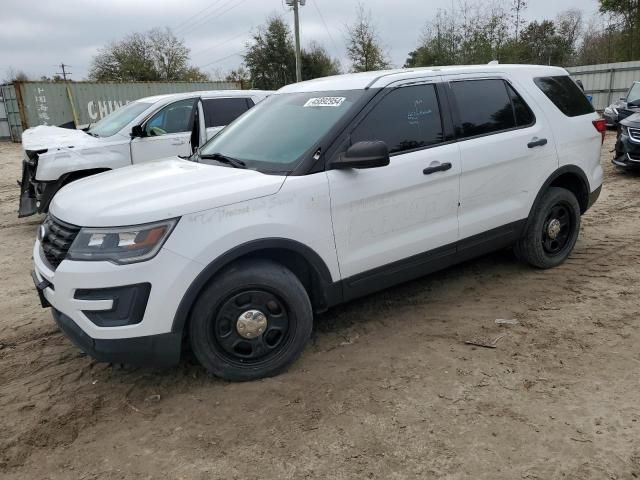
[399, 219]
[167, 132]
[507, 152]
[220, 112]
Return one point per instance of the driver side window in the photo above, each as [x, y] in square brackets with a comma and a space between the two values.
[174, 118]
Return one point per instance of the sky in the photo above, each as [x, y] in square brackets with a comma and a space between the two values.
[37, 35]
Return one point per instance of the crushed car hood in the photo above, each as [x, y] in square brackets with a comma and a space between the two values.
[44, 137]
[157, 190]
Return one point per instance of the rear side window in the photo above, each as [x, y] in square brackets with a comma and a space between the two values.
[524, 115]
[219, 112]
[484, 107]
[565, 94]
[406, 119]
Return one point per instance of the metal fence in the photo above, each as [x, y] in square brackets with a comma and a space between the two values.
[29, 104]
[606, 82]
[4, 122]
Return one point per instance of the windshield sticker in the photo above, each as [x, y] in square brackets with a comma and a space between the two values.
[325, 102]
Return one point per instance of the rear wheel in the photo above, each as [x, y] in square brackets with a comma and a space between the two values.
[552, 231]
[252, 321]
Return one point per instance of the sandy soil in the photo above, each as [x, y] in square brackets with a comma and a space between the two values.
[387, 389]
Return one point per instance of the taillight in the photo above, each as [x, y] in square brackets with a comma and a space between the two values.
[601, 126]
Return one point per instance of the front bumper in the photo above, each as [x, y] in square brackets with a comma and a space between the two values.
[627, 151]
[35, 196]
[626, 161]
[84, 305]
[161, 350]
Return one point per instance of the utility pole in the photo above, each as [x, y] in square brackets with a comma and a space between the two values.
[64, 72]
[296, 18]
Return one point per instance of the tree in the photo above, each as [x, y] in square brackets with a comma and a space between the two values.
[270, 56]
[517, 9]
[13, 75]
[271, 62]
[170, 55]
[541, 43]
[151, 56]
[240, 75]
[363, 44]
[316, 62]
[628, 13]
[569, 27]
[467, 35]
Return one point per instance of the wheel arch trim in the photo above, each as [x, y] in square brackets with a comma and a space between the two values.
[240, 251]
[566, 169]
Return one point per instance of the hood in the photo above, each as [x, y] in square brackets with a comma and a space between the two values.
[45, 137]
[156, 191]
[632, 121]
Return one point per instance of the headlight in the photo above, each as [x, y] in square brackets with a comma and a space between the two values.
[121, 245]
[608, 110]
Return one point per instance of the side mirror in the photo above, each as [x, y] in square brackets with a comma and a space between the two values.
[363, 155]
[623, 98]
[137, 131]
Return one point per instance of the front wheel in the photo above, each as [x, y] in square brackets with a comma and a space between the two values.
[552, 231]
[252, 321]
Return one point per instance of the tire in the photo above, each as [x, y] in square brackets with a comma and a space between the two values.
[538, 246]
[252, 321]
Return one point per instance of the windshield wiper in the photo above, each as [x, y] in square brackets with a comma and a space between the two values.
[219, 157]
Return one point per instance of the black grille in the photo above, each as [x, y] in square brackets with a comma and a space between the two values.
[57, 240]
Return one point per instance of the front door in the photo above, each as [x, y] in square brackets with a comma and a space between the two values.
[167, 133]
[394, 220]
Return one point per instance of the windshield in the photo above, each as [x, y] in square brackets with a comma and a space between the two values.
[634, 94]
[115, 121]
[275, 134]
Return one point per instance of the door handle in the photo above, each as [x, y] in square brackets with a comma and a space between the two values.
[443, 167]
[537, 143]
[178, 141]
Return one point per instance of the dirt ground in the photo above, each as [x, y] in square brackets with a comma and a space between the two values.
[387, 389]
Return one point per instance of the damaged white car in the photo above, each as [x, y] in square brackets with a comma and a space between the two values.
[143, 130]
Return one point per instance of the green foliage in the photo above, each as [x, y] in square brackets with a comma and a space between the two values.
[271, 61]
[316, 62]
[156, 55]
[270, 58]
[363, 45]
[493, 30]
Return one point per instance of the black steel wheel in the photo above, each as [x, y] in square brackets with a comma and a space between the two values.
[552, 231]
[251, 326]
[252, 321]
[557, 228]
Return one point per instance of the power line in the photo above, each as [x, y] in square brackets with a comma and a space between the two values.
[217, 45]
[221, 59]
[219, 12]
[335, 45]
[219, 4]
[181, 24]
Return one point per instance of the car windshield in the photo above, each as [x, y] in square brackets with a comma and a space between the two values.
[116, 121]
[277, 133]
[634, 94]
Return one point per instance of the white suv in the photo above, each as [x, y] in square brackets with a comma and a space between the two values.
[143, 130]
[328, 190]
